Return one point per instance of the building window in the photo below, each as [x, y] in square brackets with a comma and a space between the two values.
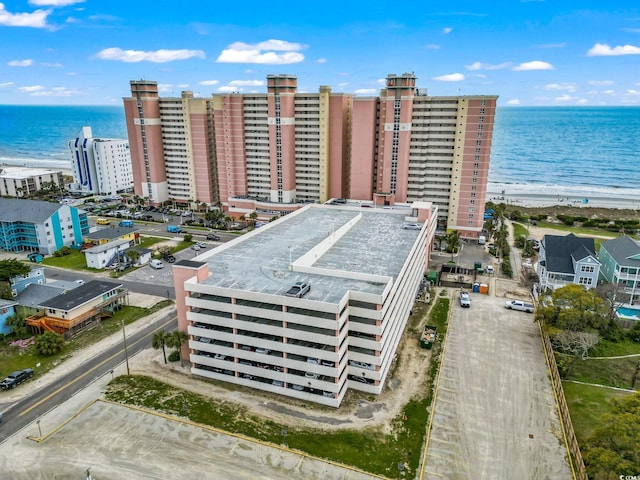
[483, 102]
[478, 142]
[585, 280]
[479, 135]
[587, 269]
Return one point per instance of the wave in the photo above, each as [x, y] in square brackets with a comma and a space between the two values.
[35, 163]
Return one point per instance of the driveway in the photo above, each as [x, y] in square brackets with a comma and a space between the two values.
[495, 412]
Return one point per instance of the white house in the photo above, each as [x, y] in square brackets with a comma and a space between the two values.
[103, 255]
[567, 259]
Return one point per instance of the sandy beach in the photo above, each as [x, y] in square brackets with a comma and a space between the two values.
[549, 195]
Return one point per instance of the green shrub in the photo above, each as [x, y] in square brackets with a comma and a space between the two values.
[174, 356]
[48, 344]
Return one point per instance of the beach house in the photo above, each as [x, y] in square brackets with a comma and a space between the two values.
[567, 259]
[43, 227]
[620, 258]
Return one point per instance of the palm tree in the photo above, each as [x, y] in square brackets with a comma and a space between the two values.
[158, 341]
[175, 340]
[453, 242]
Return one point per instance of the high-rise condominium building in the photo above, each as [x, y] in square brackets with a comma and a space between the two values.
[100, 165]
[275, 151]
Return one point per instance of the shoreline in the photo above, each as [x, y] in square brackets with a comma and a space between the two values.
[532, 196]
[524, 195]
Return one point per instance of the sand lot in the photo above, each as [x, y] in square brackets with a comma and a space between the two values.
[495, 413]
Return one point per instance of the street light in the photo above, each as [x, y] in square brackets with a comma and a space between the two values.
[124, 338]
[39, 428]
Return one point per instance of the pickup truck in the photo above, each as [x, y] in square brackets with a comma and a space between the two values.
[519, 305]
[16, 378]
[298, 290]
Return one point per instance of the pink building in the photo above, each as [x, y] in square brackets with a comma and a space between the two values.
[274, 152]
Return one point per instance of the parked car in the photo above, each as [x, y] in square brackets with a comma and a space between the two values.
[465, 300]
[195, 247]
[16, 378]
[157, 264]
[412, 226]
[214, 237]
[298, 290]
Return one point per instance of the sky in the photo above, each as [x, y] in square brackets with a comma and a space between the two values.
[529, 52]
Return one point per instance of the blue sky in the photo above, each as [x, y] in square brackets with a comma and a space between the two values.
[529, 52]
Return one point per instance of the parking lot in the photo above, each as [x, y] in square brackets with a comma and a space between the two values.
[495, 413]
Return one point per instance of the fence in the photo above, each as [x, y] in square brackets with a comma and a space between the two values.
[579, 470]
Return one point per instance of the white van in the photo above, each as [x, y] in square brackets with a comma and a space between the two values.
[156, 264]
[482, 240]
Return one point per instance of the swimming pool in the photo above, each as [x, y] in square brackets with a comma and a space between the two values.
[626, 312]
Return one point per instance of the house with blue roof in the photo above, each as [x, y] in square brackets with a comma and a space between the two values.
[566, 260]
[37, 226]
[7, 309]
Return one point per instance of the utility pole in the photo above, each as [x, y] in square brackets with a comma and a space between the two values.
[126, 355]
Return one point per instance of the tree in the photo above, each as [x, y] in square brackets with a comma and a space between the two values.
[453, 242]
[574, 308]
[574, 343]
[175, 340]
[614, 448]
[18, 325]
[9, 269]
[159, 341]
[49, 343]
[188, 237]
[133, 255]
[13, 267]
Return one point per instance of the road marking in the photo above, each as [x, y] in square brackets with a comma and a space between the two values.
[24, 412]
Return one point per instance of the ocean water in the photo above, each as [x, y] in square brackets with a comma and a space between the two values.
[591, 150]
[37, 135]
[581, 149]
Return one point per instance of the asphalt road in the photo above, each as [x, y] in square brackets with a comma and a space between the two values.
[25, 411]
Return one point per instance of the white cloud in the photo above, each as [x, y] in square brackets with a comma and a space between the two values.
[246, 83]
[534, 65]
[381, 81]
[208, 82]
[56, 92]
[582, 101]
[487, 66]
[6, 84]
[447, 30]
[54, 3]
[263, 53]
[159, 56]
[432, 46]
[31, 88]
[53, 65]
[631, 91]
[604, 50]
[183, 85]
[165, 87]
[600, 82]
[451, 77]
[515, 101]
[570, 87]
[564, 98]
[20, 63]
[321, 60]
[365, 91]
[343, 84]
[228, 89]
[35, 19]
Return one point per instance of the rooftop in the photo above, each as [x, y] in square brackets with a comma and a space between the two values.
[110, 233]
[334, 248]
[26, 211]
[81, 295]
[19, 173]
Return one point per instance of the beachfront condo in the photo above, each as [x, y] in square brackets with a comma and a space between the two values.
[100, 166]
[272, 153]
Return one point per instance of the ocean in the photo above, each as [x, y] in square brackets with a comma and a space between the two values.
[588, 151]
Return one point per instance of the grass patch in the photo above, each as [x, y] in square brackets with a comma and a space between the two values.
[615, 372]
[149, 242]
[519, 230]
[582, 231]
[606, 348]
[74, 261]
[16, 358]
[368, 449]
[587, 404]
